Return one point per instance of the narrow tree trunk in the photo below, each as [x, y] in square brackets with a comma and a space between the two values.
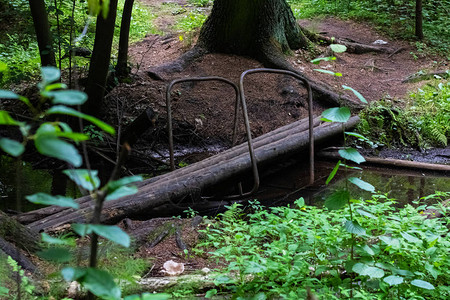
[42, 29]
[122, 69]
[419, 20]
[100, 60]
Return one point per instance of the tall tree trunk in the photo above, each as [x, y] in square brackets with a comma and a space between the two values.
[122, 58]
[42, 29]
[99, 66]
[259, 28]
[419, 20]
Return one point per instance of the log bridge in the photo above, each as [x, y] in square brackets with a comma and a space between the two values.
[236, 161]
[164, 189]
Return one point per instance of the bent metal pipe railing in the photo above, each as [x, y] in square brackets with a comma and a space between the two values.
[310, 108]
[246, 123]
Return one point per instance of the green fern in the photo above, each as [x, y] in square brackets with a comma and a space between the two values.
[438, 136]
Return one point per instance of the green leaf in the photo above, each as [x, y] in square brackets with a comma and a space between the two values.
[422, 284]
[362, 184]
[331, 176]
[112, 233]
[11, 147]
[74, 136]
[354, 227]
[430, 268]
[55, 254]
[211, 293]
[123, 181]
[316, 61]
[55, 86]
[64, 110]
[338, 48]
[71, 274]
[393, 242]
[82, 177]
[365, 213]
[3, 68]
[368, 250]
[46, 199]
[351, 154]
[5, 94]
[68, 97]
[393, 280]
[49, 145]
[410, 238]
[329, 72]
[121, 192]
[51, 240]
[101, 284]
[357, 94]
[254, 268]
[6, 119]
[81, 229]
[337, 200]
[337, 114]
[50, 74]
[365, 270]
[118, 188]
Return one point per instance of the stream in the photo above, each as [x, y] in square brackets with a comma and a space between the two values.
[280, 185]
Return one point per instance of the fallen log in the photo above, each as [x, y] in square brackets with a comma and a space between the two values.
[84, 202]
[165, 188]
[398, 163]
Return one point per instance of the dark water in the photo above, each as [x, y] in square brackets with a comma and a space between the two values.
[29, 181]
[285, 186]
[279, 186]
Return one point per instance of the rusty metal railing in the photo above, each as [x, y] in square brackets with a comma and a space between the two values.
[246, 123]
[240, 95]
[310, 107]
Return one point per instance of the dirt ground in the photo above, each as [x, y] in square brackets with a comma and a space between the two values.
[204, 112]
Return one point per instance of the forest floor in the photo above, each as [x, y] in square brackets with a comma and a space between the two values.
[205, 110]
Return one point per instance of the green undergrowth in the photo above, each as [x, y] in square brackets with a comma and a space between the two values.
[396, 17]
[18, 46]
[420, 121]
[285, 251]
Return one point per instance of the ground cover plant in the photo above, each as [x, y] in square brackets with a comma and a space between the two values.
[287, 250]
[420, 121]
[19, 53]
[395, 17]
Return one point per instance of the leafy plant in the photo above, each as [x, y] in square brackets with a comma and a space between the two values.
[53, 139]
[280, 251]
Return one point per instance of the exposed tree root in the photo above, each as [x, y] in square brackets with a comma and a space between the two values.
[177, 65]
[271, 57]
[352, 47]
[425, 76]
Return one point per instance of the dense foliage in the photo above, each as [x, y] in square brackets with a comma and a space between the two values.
[392, 16]
[420, 121]
[284, 250]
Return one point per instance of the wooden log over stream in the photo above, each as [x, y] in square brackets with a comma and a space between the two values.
[166, 188]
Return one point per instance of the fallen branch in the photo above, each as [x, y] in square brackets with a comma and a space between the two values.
[398, 163]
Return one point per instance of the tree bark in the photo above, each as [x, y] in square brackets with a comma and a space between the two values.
[100, 60]
[42, 29]
[419, 20]
[258, 28]
[122, 69]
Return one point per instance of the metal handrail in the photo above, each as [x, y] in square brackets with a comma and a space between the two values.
[310, 109]
[247, 125]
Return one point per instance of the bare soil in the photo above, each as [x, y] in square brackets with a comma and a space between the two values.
[203, 112]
